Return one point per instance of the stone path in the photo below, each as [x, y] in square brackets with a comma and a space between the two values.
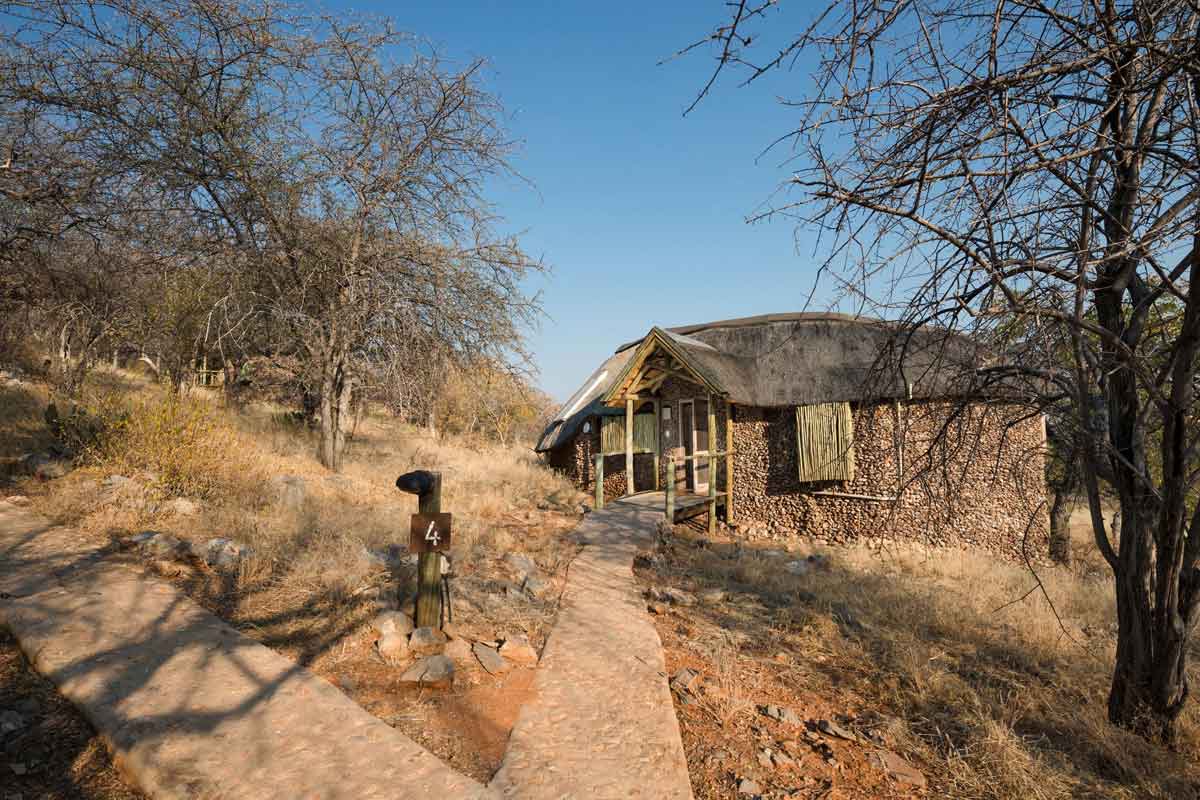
[602, 724]
[193, 709]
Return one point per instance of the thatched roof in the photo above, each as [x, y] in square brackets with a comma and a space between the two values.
[786, 360]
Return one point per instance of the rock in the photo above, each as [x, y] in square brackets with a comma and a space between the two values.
[224, 553]
[798, 567]
[18, 500]
[677, 597]
[748, 787]
[658, 607]
[764, 759]
[897, 768]
[390, 557]
[393, 646]
[435, 672]
[10, 722]
[521, 565]
[712, 596]
[427, 641]
[392, 622]
[45, 466]
[458, 651]
[116, 482]
[347, 683]
[780, 760]
[517, 649]
[830, 728]
[782, 714]
[685, 680]
[183, 507]
[536, 586]
[491, 660]
[158, 544]
[289, 490]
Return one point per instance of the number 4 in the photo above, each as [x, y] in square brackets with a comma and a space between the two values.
[432, 535]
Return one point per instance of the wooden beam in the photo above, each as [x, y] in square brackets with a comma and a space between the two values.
[729, 463]
[599, 475]
[657, 444]
[629, 445]
[669, 512]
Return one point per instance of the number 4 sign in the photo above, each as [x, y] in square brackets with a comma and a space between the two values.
[430, 533]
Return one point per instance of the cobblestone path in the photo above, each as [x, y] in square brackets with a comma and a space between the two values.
[193, 709]
[189, 706]
[602, 725]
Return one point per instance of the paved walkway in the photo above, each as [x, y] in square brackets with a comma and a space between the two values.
[190, 707]
[193, 709]
[602, 724]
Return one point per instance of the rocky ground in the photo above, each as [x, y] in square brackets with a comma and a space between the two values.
[49, 751]
[751, 725]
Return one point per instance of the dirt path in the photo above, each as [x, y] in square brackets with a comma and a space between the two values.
[192, 708]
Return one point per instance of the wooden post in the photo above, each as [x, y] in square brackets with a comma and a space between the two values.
[599, 472]
[427, 486]
[729, 463]
[712, 491]
[670, 510]
[629, 445]
[657, 444]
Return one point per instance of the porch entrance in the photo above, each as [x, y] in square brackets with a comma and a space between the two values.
[693, 432]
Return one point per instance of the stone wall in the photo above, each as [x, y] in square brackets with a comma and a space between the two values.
[576, 460]
[980, 482]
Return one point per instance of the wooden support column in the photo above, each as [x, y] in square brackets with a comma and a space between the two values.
[729, 463]
[712, 490]
[599, 474]
[629, 445]
[713, 446]
[670, 510]
[657, 443]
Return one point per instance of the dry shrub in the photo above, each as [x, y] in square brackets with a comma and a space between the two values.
[182, 442]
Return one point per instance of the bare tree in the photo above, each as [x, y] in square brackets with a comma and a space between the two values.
[1028, 172]
[340, 163]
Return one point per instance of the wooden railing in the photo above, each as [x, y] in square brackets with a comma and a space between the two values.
[713, 494]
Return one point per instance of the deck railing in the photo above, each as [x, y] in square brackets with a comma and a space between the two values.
[713, 494]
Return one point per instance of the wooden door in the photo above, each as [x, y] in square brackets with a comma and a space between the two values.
[687, 436]
[700, 446]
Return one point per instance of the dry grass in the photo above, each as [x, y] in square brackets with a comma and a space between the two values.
[996, 691]
[310, 586]
[303, 584]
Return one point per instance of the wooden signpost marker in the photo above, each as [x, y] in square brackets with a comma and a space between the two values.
[428, 537]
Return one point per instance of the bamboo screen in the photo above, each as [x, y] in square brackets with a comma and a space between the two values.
[825, 442]
[612, 434]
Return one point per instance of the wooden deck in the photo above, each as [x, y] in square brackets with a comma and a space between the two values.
[687, 504]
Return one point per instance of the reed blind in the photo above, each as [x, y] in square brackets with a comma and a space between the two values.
[825, 442]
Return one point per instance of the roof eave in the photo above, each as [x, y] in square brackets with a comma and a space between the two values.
[615, 395]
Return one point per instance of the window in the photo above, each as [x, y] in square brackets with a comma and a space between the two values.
[825, 442]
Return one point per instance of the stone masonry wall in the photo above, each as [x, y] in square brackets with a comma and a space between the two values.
[576, 460]
[982, 484]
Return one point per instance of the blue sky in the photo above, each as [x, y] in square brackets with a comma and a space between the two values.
[639, 211]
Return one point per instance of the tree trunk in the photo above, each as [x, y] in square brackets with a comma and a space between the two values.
[1149, 685]
[230, 388]
[336, 389]
[1060, 527]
